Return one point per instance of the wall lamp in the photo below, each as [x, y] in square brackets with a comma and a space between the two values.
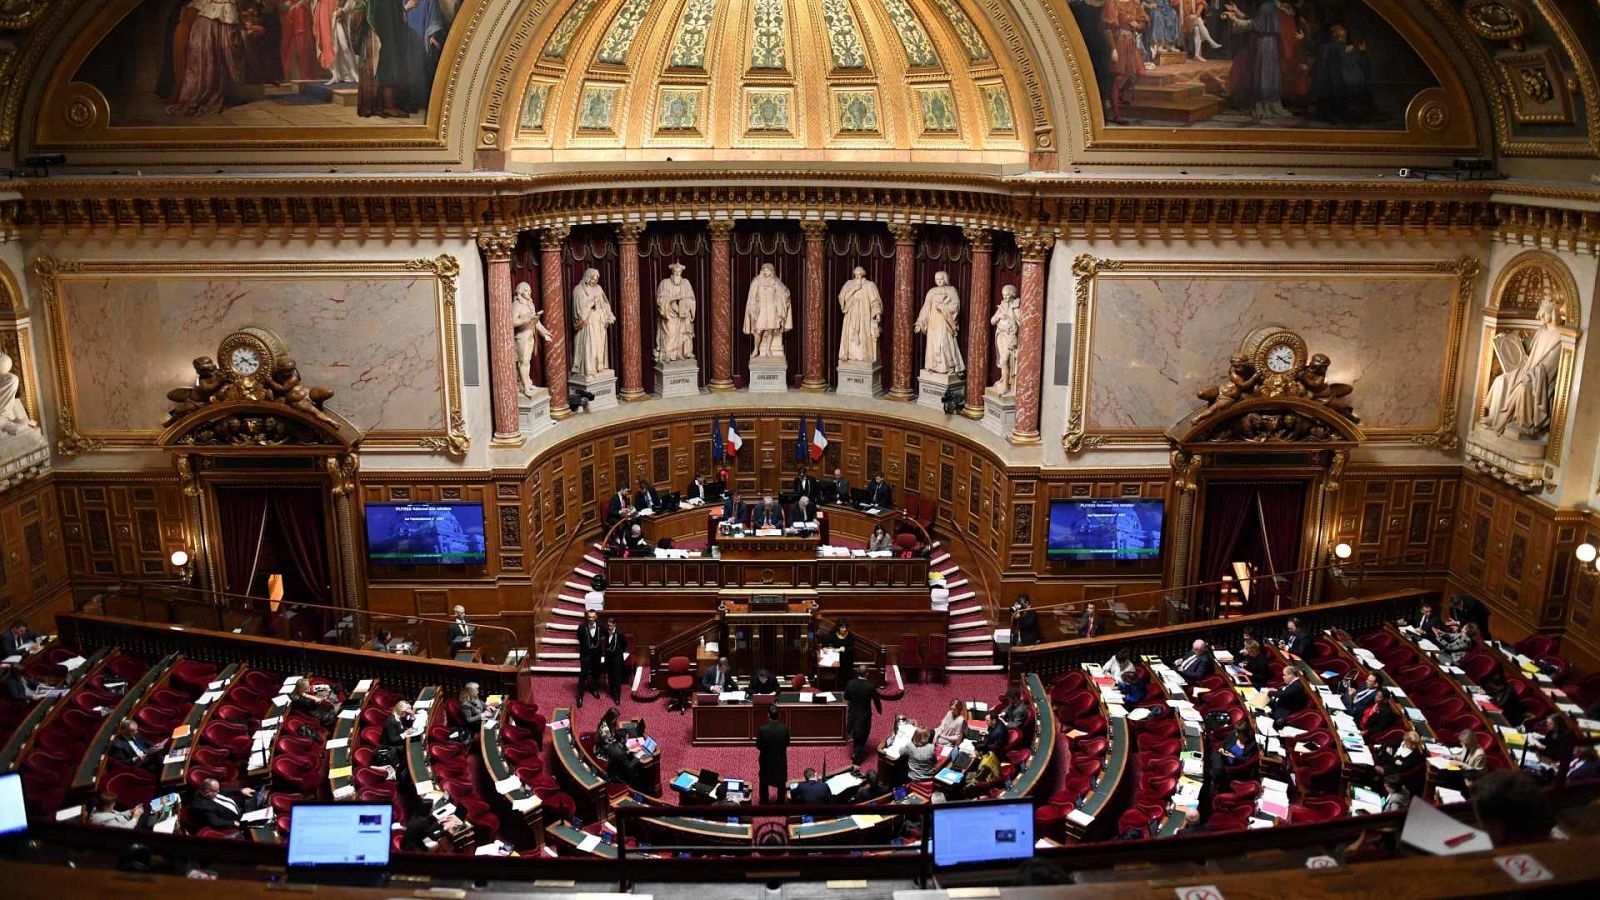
[1587, 554]
[180, 565]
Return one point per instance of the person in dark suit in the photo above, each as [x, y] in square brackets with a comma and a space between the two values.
[772, 742]
[1379, 717]
[862, 697]
[878, 492]
[1088, 623]
[812, 789]
[1198, 664]
[1255, 663]
[842, 640]
[768, 515]
[215, 808]
[16, 639]
[764, 683]
[804, 484]
[1404, 759]
[719, 677]
[589, 640]
[803, 510]
[1585, 766]
[1501, 694]
[392, 739]
[1361, 697]
[696, 489]
[131, 750]
[841, 487]
[613, 659]
[732, 511]
[1288, 699]
[620, 507]
[646, 497]
[307, 702]
[1473, 611]
[1299, 641]
[459, 634]
[1429, 623]
[621, 765]
[1025, 623]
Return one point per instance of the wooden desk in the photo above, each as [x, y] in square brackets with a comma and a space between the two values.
[736, 723]
[44, 712]
[172, 773]
[93, 763]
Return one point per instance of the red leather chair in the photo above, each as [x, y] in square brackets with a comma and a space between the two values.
[911, 657]
[1316, 809]
[1078, 707]
[1069, 683]
[192, 675]
[1093, 747]
[938, 658]
[1537, 645]
[294, 745]
[680, 683]
[196, 774]
[208, 832]
[282, 802]
[127, 668]
[295, 775]
[212, 756]
[1479, 666]
[233, 738]
[1049, 821]
[129, 790]
[1317, 773]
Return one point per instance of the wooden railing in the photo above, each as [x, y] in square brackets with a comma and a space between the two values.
[1355, 616]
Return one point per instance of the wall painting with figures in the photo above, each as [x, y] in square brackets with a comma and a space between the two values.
[219, 67]
[1243, 70]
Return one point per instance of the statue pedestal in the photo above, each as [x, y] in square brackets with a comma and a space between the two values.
[22, 456]
[602, 384]
[1519, 462]
[931, 387]
[999, 411]
[533, 412]
[860, 379]
[678, 378]
[769, 375]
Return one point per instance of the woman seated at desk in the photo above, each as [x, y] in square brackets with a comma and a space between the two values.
[879, 540]
[953, 727]
[1240, 749]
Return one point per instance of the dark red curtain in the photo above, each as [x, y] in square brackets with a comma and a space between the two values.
[241, 513]
[1007, 270]
[525, 268]
[595, 247]
[1282, 511]
[1228, 506]
[660, 246]
[778, 242]
[941, 248]
[296, 518]
[850, 244]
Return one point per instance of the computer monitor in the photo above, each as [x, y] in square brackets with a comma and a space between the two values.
[987, 832]
[334, 836]
[13, 816]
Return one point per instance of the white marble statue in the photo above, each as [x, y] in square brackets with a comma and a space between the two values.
[528, 326]
[863, 313]
[1523, 393]
[676, 306]
[1007, 325]
[766, 312]
[941, 310]
[13, 415]
[591, 316]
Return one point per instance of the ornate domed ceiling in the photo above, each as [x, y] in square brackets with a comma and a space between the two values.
[848, 79]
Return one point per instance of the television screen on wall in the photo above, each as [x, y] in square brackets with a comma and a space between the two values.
[426, 534]
[1105, 529]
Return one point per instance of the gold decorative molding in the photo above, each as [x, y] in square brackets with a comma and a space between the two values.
[1087, 269]
[452, 438]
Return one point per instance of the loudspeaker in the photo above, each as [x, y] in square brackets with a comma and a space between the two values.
[469, 354]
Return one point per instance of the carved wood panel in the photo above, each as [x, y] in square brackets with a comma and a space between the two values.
[123, 527]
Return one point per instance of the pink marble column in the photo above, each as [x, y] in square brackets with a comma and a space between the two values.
[905, 260]
[815, 378]
[556, 317]
[502, 341]
[721, 306]
[978, 322]
[632, 387]
[1035, 249]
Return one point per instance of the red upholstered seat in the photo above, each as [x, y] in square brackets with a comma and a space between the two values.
[296, 775]
[911, 657]
[938, 658]
[679, 683]
[1537, 645]
[1317, 772]
[192, 675]
[1133, 820]
[1316, 809]
[127, 668]
[1093, 747]
[1050, 821]
[282, 802]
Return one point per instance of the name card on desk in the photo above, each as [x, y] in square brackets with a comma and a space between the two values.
[526, 804]
[508, 784]
[259, 815]
[337, 743]
[71, 812]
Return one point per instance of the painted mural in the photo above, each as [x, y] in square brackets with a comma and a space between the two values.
[271, 63]
[1284, 64]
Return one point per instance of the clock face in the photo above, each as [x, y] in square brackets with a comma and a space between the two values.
[1280, 358]
[244, 360]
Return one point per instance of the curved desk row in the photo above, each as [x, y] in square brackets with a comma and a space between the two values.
[686, 826]
[1045, 734]
[1109, 785]
[172, 773]
[347, 727]
[563, 833]
[577, 775]
[45, 711]
[521, 801]
[93, 763]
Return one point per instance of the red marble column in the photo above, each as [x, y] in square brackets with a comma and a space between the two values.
[978, 322]
[502, 341]
[905, 260]
[1035, 249]
[815, 378]
[557, 317]
[721, 306]
[632, 387]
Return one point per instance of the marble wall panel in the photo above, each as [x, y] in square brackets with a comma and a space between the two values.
[1155, 340]
[131, 337]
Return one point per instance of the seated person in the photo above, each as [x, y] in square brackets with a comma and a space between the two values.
[1395, 796]
[1254, 661]
[952, 728]
[870, 788]
[803, 511]
[19, 685]
[719, 677]
[131, 750]
[1359, 699]
[811, 789]
[1585, 766]
[422, 832]
[1456, 643]
[318, 705]
[841, 487]
[631, 540]
[1198, 664]
[696, 489]
[1013, 712]
[733, 512]
[1299, 641]
[994, 738]
[18, 640]
[382, 642]
[1501, 694]
[1135, 684]
[622, 766]
[1379, 717]
[1240, 748]
[646, 497]
[1513, 808]
[215, 808]
[764, 683]
[1470, 754]
[606, 732]
[767, 515]
[879, 540]
[105, 813]
[1403, 759]
[1287, 699]
[922, 759]
[987, 771]
[1118, 664]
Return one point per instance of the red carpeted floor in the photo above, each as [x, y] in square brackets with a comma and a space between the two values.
[925, 703]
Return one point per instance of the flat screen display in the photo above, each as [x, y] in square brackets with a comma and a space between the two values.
[1105, 529]
[13, 817]
[339, 834]
[982, 833]
[426, 534]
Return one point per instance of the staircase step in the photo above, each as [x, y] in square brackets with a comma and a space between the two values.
[954, 654]
[954, 583]
[958, 626]
[593, 560]
[966, 610]
[585, 573]
[554, 654]
[942, 557]
[964, 639]
[552, 670]
[562, 626]
[578, 586]
[568, 612]
[561, 640]
[951, 572]
[974, 668]
[956, 597]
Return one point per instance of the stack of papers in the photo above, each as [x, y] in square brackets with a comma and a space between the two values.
[1365, 800]
[844, 781]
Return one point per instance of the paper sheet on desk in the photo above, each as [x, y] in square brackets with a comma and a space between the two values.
[259, 815]
[866, 821]
[526, 804]
[844, 781]
[336, 743]
[364, 684]
[588, 843]
[508, 784]
[1432, 831]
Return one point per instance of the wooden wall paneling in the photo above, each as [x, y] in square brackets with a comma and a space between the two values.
[33, 562]
[1504, 550]
[120, 525]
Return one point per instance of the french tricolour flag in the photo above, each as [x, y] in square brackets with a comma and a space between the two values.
[819, 441]
[734, 441]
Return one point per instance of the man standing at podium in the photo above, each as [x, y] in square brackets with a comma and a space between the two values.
[768, 515]
[878, 493]
[841, 487]
[804, 484]
[772, 740]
